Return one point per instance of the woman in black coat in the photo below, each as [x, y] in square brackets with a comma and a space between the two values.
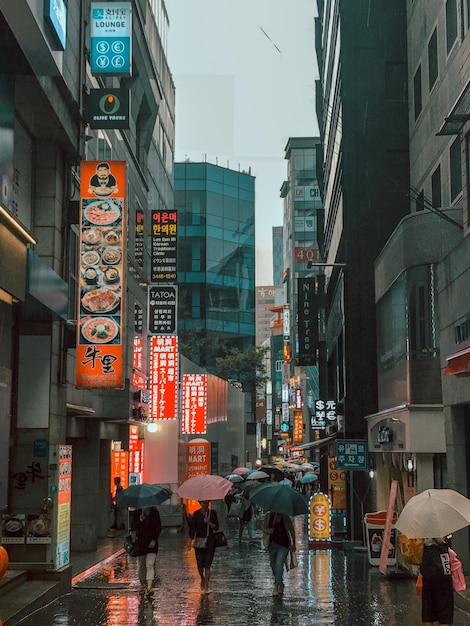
[203, 523]
[147, 525]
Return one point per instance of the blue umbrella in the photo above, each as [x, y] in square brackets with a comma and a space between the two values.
[309, 478]
[141, 496]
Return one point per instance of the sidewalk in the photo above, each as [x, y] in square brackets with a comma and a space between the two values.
[332, 586]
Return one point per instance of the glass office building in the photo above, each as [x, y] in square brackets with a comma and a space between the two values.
[216, 260]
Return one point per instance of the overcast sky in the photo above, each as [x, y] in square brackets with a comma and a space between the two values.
[245, 74]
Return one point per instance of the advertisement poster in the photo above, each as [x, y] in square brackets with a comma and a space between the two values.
[64, 502]
[13, 528]
[100, 331]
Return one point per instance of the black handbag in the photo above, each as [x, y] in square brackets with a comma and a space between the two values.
[220, 539]
[131, 546]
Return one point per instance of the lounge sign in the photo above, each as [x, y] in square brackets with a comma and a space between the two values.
[100, 328]
[111, 31]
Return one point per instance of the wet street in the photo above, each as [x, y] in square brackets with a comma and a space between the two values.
[329, 587]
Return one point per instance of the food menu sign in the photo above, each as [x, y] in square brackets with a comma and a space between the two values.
[164, 377]
[100, 340]
[194, 413]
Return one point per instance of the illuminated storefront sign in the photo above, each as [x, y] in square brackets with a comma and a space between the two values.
[100, 331]
[194, 412]
[136, 451]
[164, 246]
[320, 525]
[119, 467]
[55, 13]
[111, 31]
[298, 431]
[163, 377]
[198, 458]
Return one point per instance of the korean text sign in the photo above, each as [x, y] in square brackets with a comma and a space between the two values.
[100, 328]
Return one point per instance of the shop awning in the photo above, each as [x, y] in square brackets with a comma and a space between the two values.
[314, 444]
[458, 363]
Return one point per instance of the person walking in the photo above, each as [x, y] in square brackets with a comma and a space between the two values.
[246, 517]
[203, 524]
[118, 523]
[148, 526]
[438, 591]
[279, 539]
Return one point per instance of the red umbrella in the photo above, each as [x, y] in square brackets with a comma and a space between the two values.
[205, 487]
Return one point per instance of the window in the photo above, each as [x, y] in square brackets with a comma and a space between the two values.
[451, 23]
[417, 90]
[455, 157]
[436, 198]
[432, 59]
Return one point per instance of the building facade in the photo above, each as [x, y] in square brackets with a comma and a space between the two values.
[424, 270]
[362, 108]
[216, 260]
[63, 437]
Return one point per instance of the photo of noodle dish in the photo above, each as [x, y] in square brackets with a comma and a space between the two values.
[111, 256]
[91, 236]
[100, 330]
[91, 257]
[102, 213]
[101, 300]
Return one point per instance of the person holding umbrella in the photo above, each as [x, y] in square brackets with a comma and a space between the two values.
[147, 525]
[203, 524]
[279, 534]
[438, 591]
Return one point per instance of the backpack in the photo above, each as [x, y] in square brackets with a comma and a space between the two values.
[411, 549]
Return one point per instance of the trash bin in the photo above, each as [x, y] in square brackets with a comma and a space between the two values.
[375, 526]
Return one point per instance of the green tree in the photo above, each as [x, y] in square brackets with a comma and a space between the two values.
[247, 368]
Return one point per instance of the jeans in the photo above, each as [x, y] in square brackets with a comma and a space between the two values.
[277, 558]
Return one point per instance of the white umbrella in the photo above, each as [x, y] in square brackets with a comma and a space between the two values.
[434, 513]
[235, 478]
[257, 475]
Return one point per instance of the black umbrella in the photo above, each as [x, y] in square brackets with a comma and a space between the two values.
[141, 496]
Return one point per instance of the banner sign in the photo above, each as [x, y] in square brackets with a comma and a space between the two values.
[307, 315]
[162, 309]
[100, 328]
[194, 414]
[164, 377]
[139, 237]
[164, 246]
[63, 510]
[111, 38]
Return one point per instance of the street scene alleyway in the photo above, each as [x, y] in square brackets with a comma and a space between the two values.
[331, 586]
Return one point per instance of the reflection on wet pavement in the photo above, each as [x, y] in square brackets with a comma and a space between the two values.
[328, 587]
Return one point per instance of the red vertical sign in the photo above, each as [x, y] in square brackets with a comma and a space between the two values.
[100, 328]
[194, 412]
[164, 377]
